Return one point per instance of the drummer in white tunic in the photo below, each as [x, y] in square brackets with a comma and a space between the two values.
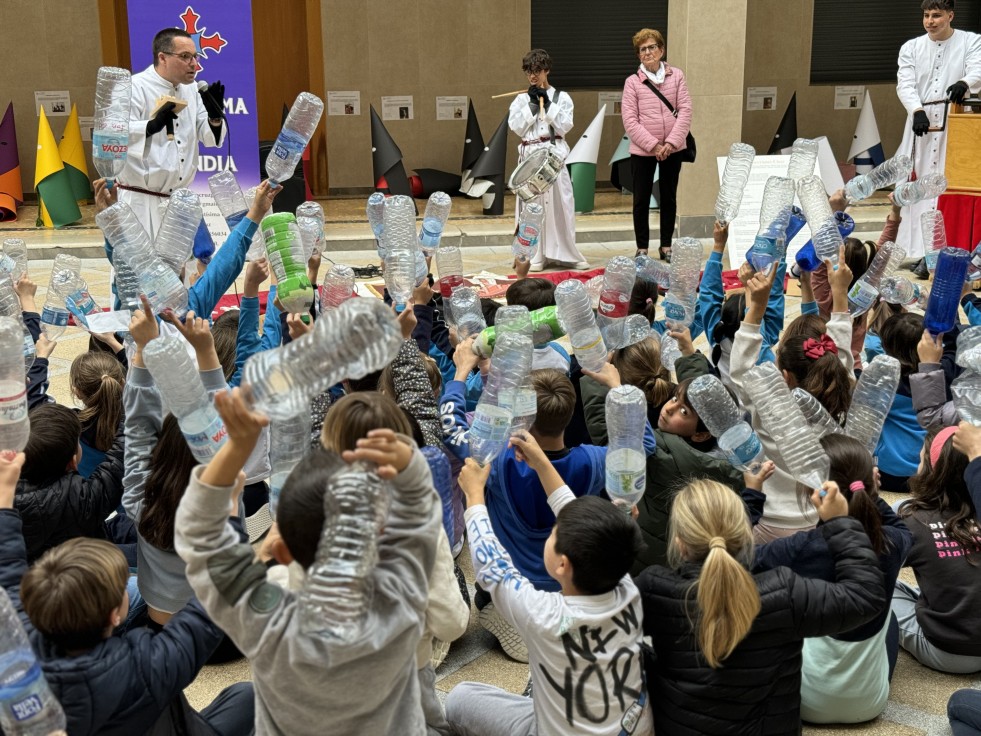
[163, 149]
[557, 242]
[943, 64]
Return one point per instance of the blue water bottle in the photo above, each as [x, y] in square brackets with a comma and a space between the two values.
[807, 259]
[945, 297]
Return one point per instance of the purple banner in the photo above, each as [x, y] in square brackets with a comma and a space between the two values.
[222, 32]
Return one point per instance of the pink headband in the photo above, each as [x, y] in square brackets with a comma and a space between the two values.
[937, 446]
[856, 486]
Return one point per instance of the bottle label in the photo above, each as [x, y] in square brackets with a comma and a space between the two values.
[862, 296]
[674, 311]
[205, 444]
[521, 402]
[431, 232]
[625, 482]
[527, 236]
[110, 145]
[748, 450]
[764, 246]
[55, 317]
[13, 409]
[493, 427]
[7, 263]
[82, 301]
[29, 349]
[611, 305]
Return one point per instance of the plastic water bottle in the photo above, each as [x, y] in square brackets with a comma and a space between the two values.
[802, 454]
[974, 268]
[825, 234]
[734, 178]
[966, 390]
[161, 286]
[54, 315]
[900, 290]
[494, 415]
[449, 265]
[400, 276]
[375, 210]
[297, 131]
[864, 291]
[466, 312]
[258, 248]
[544, 325]
[670, 352]
[770, 243]
[969, 348]
[310, 221]
[657, 271]
[891, 171]
[175, 237]
[13, 259]
[284, 249]
[803, 158]
[509, 383]
[513, 318]
[742, 447]
[228, 197]
[183, 392]
[713, 404]
[289, 442]
[816, 415]
[934, 236]
[576, 317]
[871, 401]
[361, 334]
[110, 134]
[911, 192]
[530, 224]
[807, 258]
[594, 287]
[626, 462]
[337, 591]
[400, 232]
[10, 307]
[15, 427]
[78, 299]
[618, 283]
[945, 296]
[27, 705]
[338, 287]
[686, 266]
[127, 286]
[433, 221]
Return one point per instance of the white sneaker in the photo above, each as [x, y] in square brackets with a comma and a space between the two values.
[506, 634]
[440, 650]
[536, 268]
[581, 265]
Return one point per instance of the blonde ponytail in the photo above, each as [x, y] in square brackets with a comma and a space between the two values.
[709, 525]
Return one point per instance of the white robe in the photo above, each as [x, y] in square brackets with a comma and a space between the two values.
[926, 69]
[557, 241]
[155, 163]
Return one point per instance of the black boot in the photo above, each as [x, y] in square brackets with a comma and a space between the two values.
[921, 270]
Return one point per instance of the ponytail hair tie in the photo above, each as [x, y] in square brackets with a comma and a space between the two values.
[856, 486]
[815, 348]
[717, 542]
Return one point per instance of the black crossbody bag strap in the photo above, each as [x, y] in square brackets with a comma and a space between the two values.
[664, 99]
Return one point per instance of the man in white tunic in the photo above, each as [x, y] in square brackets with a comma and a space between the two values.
[537, 129]
[163, 148]
[943, 64]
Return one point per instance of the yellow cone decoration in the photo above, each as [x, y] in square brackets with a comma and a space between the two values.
[56, 201]
[73, 156]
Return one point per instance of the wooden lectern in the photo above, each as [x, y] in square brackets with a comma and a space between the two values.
[963, 168]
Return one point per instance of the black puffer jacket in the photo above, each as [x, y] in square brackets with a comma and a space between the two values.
[757, 689]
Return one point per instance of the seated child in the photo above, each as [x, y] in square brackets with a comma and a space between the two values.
[74, 597]
[584, 640]
[308, 678]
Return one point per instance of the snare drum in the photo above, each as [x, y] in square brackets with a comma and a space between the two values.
[533, 176]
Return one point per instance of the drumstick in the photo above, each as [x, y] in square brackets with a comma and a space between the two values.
[509, 94]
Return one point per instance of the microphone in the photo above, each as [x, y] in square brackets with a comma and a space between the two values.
[203, 86]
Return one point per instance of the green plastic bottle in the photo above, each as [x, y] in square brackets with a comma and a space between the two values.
[545, 328]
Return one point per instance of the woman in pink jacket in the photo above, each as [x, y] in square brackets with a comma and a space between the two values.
[657, 136]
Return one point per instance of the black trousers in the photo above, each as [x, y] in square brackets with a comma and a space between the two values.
[644, 168]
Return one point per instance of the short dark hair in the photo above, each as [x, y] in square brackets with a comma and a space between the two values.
[489, 308]
[900, 335]
[600, 540]
[536, 60]
[531, 293]
[556, 401]
[52, 443]
[164, 41]
[946, 5]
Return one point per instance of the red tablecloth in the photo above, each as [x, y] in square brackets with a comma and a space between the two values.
[962, 219]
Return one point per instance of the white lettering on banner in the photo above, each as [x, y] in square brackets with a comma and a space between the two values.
[235, 106]
[216, 163]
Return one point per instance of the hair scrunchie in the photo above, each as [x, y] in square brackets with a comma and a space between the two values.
[814, 348]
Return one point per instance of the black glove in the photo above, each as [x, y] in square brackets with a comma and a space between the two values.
[214, 100]
[957, 91]
[533, 101]
[921, 123]
[165, 115]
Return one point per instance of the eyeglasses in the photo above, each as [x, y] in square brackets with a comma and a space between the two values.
[649, 49]
[186, 57]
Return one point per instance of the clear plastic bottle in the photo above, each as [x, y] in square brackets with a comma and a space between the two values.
[361, 334]
[338, 590]
[713, 404]
[297, 131]
[494, 416]
[670, 353]
[509, 382]
[807, 258]
[734, 178]
[969, 348]
[284, 249]
[10, 307]
[310, 221]
[375, 210]
[966, 390]
[945, 296]
[825, 234]
[594, 287]
[576, 317]
[802, 454]
[891, 171]
[816, 415]
[449, 265]
[78, 298]
[530, 225]
[110, 133]
[162, 287]
[900, 290]
[434, 221]
[871, 401]
[742, 447]
[864, 291]
[618, 283]
[175, 237]
[803, 158]
[13, 260]
[289, 442]
[228, 197]
[258, 248]
[27, 705]
[127, 286]
[626, 461]
[400, 232]
[15, 426]
[770, 242]
[54, 315]
[911, 192]
[183, 392]
[467, 314]
[934, 233]
[400, 275]
[650, 269]
[686, 266]
[338, 287]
